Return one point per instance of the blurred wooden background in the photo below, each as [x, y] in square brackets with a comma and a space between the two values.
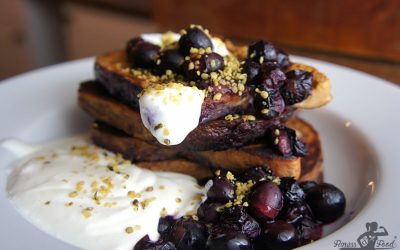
[368, 28]
[360, 34]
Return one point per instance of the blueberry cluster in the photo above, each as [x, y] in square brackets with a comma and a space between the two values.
[191, 56]
[253, 210]
[266, 68]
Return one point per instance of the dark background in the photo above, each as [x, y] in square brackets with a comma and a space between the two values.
[360, 34]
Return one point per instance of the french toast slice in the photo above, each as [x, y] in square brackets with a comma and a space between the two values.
[213, 135]
[131, 148]
[112, 70]
[305, 168]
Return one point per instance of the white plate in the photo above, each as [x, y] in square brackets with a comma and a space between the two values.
[363, 159]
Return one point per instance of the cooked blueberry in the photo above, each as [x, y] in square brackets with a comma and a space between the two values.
[285, 141]
[132, 42]
[272, 77]
[143, 54]
[268, 102]
[165, 224]
[170, 59]
[222, 190]
[278, 235]
[213, 61]
[207, 211]
[255, 174]
[299, 148]
[252, 70]
[309, 230]
[262, 51]
[194, 67]
[194, 38]
[282, 59]
[265, 200]
[188, 234]
[236, 219]
[292, 192]
[326, 201]
[146, 244]
[295, 213]
[297, 86]
[307, 185]
[229, 241]
[199, 64]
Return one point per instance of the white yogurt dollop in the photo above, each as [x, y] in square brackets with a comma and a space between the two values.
[94, 199]
[171, 111]
[157, 39]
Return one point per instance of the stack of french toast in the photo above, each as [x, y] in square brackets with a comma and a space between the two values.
[250, 99]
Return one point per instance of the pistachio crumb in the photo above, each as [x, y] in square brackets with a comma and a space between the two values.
[73, 194]
[158, 126]
[264, 94]
[163, 212]
[217, 97]
[68, 204]
[129, 230]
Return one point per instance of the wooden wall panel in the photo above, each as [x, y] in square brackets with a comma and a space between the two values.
[369, 28]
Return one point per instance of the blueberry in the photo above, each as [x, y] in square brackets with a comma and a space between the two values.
[143, 54]
[170, 59]
[188, 234]
[229, 241]
[213, 61]
[292, 192]
[222, 190]
[265, 200]
[297, 86]
[272, 77]
[285, 142]
[255, 174]
[199, 64]
[326, 201]
[268, 102]
[236, 219]
[295, 213]
[262, 51]
[132, 43]
[307, 185]
[146, 244]
[194, 38]
[282, 59]
[252, 70]
[309, 230]
[207, 211]
[165, 225]
[278, 235]
[267, 98]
